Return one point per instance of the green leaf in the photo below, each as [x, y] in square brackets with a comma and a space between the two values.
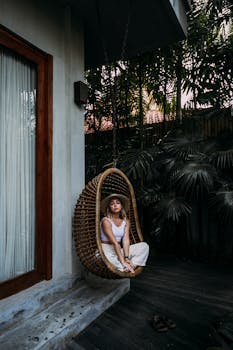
[223, 159]
[222, 203]
[171, 207]
[149, 196]
[136, 163]
[182, 146]
[194, 180]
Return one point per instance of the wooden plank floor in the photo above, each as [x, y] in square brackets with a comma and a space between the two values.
[194, 295]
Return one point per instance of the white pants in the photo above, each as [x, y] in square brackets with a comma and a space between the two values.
[138, 254]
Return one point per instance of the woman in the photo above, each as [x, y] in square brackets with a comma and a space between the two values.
[114, 233]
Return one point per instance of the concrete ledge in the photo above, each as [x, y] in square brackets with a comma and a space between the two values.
[67, 316]
[27, 303]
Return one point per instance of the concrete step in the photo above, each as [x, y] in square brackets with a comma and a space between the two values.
[67, 316]
[23, 305]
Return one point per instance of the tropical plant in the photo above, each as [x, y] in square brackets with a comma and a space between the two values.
[200, 65]
[187, 184]
[208, 53]
[183, 182]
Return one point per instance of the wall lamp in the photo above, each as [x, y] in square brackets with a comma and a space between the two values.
[80, 93]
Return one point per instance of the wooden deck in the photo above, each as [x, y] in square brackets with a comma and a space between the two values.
[194, 295]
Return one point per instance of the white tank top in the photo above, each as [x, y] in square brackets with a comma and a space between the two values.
[118, 231]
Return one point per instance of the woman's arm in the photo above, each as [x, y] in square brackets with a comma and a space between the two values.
[107, 228]
[125, 239]
[126, 244]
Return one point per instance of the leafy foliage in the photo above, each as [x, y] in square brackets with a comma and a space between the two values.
[194, 180]
[208, 72]
[201, 65]
[182, 146]
[149, 196]
[171, 207]
[222, 203]
[136, 163]
[222, 157]
[182, 173]
[184, 183]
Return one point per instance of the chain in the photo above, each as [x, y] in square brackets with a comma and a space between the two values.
[113, 93]
[124, 44]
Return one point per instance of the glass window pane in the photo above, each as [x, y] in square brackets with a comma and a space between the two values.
[17, 164]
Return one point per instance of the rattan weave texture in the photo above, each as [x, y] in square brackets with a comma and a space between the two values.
[86, 222]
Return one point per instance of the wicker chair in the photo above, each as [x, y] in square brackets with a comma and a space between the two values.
[86, 222]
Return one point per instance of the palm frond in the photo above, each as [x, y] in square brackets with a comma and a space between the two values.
[222, 204]
[181, 147]
[156, 229]
[136, 163]
[171, 207]
[222, 159]
[194, 180]
[220, 151]
[147, 196]
[170, 163]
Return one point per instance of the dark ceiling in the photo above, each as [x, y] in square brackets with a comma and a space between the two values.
[153, 23]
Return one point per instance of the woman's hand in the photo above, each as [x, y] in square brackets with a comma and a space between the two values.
[130, 262]
[128, 267]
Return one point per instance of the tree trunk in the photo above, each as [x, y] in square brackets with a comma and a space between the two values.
[126, 112]
[178, 83]
[140, 103]
[164, 105]
[194, 89]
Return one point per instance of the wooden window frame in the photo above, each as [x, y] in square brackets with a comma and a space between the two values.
[43, 173]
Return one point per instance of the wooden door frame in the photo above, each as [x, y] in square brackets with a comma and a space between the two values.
[43, 184]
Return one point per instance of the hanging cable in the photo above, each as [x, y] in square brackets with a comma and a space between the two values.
[113, 90]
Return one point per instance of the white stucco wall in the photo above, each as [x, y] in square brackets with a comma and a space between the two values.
[57, 31]
[178, 7]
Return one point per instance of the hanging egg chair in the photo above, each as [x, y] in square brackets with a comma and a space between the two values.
[86, 223]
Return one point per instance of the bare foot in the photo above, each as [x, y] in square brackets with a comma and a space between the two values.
[133, 265]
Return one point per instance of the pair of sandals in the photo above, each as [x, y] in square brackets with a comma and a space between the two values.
[162, 323]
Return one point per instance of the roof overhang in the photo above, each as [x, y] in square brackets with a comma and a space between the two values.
[153, 24]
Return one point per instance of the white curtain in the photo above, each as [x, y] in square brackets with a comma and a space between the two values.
[17, 165]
